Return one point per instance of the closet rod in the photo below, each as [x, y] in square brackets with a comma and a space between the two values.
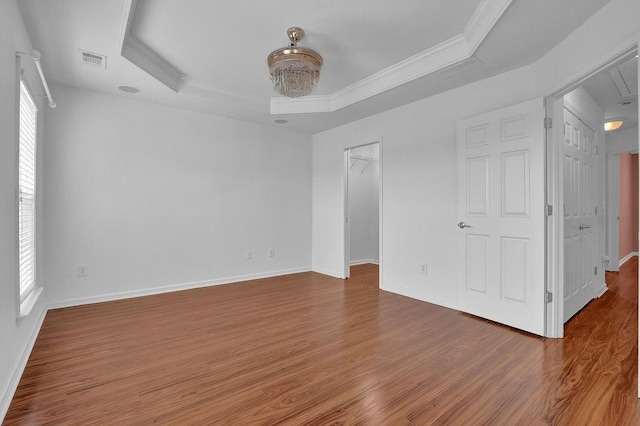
[362, 157]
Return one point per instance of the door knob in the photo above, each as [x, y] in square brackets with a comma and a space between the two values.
[463, 225]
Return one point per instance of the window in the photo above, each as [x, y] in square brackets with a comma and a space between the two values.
[27, 195]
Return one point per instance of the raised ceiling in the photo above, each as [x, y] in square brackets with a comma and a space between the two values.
[357, 37]
[211, 56]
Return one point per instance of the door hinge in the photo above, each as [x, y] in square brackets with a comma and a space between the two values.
[548, 122]
[596, 210]
[548, 297]
[548, 210]
[595, 270]
[596, 149]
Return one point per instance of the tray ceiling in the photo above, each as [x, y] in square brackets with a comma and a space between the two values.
[211, 56]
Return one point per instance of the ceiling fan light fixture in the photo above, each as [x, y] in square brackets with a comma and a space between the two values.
[294, 70]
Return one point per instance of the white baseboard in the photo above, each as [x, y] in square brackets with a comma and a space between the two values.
[9, 389]
[423, 299]
[627, 257]
[323, 271]
[171, 288]
[602, 291]
[362, 262]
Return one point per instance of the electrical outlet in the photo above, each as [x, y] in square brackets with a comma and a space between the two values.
[272, 252]
[423, 269]
[248, 255]
[83, 271]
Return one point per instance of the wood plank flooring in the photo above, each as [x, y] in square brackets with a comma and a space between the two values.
[309, 349]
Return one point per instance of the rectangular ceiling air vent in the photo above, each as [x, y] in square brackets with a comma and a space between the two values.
[625, 76]
[93, 59]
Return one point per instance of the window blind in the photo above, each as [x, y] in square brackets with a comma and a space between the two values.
[27, 193]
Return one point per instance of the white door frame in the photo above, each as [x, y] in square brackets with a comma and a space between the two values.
[555, 196]
[345, 203]
[613, 200]
[346, 267]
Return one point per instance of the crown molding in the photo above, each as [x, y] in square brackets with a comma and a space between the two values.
[127, 21]
[458, 49]
[447, 55]
[424, 63]
[142, 56]
[311, 104]
[483, 20]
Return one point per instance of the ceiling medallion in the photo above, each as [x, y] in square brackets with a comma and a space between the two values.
[294, 70]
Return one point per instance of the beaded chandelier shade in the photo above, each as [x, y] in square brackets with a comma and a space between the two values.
[294, 70]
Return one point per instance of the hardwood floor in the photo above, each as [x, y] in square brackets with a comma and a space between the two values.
[309, 349]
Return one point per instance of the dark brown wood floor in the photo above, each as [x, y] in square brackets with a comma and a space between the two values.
[308, 349]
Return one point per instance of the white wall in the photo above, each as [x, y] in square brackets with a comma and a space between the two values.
[622, 142]
[364, 205]
[418, 157]
[592, 45]
[16, 336]
[151, 198]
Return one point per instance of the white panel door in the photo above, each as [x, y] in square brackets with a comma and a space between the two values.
[580, 214]
[501, 216]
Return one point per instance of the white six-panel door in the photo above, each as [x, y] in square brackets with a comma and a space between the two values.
[500, 220]
[580, 214]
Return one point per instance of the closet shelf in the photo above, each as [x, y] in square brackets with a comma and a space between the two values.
[358, 157]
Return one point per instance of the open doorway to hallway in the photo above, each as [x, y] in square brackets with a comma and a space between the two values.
[627, 207]
[586, 154]
[616, 91]
[622, 198]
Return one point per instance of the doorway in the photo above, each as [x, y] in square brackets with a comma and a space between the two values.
[609, 89]
[627, 207]
[362, 206]
[622, 198]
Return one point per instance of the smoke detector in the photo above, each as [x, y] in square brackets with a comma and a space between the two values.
[94, 60]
